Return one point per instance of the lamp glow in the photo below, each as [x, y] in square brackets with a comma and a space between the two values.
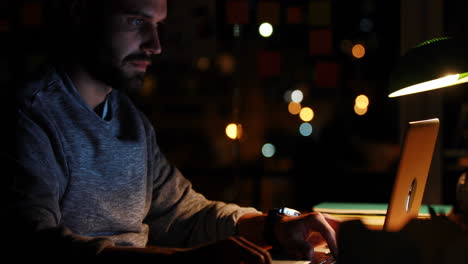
[432, 85]
[433, 64]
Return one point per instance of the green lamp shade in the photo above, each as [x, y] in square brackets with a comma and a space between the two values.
[433, 64]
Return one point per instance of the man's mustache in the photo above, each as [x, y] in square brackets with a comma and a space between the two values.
[137, 57]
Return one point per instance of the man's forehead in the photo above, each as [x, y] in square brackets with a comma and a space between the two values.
[153, 8]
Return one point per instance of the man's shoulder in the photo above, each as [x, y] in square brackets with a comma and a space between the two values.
[41, 80]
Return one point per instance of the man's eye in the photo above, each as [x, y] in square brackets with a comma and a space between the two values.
[136, 21]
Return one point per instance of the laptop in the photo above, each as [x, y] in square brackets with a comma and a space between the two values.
[410, 182]
[412, 174]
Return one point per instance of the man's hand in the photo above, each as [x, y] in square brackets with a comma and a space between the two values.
[299, 235]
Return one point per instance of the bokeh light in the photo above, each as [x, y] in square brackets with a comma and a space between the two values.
[236, 30]
[149, 85]
[366, 25]
[360, 111]
[268, 150]
[346, 46]
[226, 63]
[294, 108]
[306, 114]
[362, 101]
[297, 96]
[305, 129]
[234, 131]
[265, 30]
[287, 96]
[358, 51]
[203, 63]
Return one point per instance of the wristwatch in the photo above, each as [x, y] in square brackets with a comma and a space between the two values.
[273, 216]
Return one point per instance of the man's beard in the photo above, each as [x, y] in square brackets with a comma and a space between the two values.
[125, 82]
[129, 82]
[114, 74]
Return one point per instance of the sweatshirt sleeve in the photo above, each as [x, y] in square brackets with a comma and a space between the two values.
[181, 217]
[34, 184]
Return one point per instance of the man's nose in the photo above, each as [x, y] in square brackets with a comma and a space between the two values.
[151, 43]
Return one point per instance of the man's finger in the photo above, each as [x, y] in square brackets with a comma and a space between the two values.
[333, 221]
[316, 221]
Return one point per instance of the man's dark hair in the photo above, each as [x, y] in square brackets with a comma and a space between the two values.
[61, 25]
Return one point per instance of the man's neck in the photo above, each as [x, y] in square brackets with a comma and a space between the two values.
[93, 91]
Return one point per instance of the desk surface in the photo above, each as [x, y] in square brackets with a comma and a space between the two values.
[373, 208]
[321, 256]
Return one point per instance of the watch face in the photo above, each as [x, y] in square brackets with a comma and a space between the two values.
[289, 211]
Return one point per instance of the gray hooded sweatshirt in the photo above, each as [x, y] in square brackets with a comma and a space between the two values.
[103, 177]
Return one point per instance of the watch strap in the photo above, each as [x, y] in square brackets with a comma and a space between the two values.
[274, 215]
[269, 234]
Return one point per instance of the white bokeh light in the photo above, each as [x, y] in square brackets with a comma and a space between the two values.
[265, 30]
[297, 96]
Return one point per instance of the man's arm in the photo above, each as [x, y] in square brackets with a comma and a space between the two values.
[181, 217]
[231, 250]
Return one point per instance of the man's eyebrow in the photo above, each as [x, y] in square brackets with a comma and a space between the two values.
[141, 13]
[138, 13]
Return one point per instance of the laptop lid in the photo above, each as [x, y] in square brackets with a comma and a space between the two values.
[413, 170]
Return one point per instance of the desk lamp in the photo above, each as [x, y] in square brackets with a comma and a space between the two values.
[433, 64]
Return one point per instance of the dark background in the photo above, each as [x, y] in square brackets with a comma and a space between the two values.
[347, 157]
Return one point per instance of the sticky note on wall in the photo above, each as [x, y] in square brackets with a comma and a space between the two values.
[268, 63]
[320, 42]
[320, 13]
[294, 15]
[32, 14]
[4, 26]
[237, 12]
[326, 74]
[268, 12]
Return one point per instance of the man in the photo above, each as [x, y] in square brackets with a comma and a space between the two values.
[86, 175]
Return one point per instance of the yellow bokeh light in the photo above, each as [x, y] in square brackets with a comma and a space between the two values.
[149, 85]
[306, 114]
[358, 51]
[294, 108]
[360, 111]
[203, 63]
[234, 131]
[362, 101]
[226, 63]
